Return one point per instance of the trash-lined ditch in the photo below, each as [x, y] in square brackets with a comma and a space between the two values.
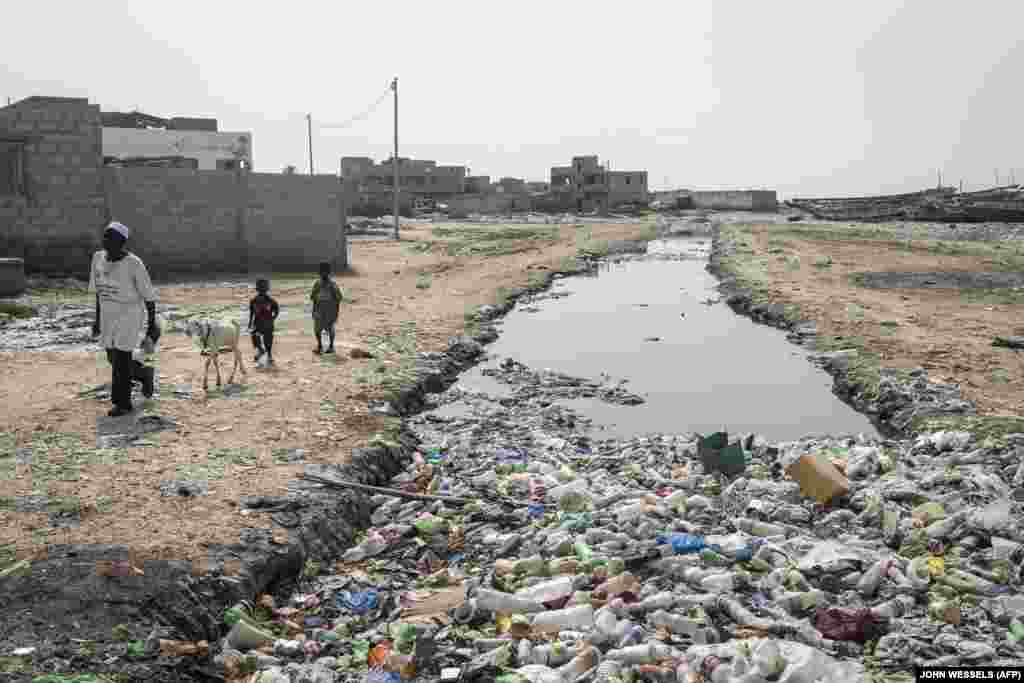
[657, 321]
[549, 554]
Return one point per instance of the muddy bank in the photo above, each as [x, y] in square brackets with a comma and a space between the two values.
[940, 279]
[71, 593]
[900, 397]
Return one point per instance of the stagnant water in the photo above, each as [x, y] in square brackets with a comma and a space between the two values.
[710, 370]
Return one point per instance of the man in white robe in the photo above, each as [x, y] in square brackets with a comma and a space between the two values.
[125, 308]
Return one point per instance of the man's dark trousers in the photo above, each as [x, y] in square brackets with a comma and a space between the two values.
[126, 369]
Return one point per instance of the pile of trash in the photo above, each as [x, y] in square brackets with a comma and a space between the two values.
[529, 383]
[519, 550]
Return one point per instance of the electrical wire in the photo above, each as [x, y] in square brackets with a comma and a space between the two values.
[358, 117]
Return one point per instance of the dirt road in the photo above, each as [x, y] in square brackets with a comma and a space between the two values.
[432, 278]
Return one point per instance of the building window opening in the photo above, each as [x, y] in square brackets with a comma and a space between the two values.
[12, 171]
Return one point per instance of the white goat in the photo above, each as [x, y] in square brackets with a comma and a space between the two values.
[213, 337]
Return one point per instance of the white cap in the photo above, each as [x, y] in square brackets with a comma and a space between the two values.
[120, 229]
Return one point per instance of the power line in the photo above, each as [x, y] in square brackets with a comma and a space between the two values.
[360, 116]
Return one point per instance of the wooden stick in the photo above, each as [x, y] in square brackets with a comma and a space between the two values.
[453, 500]
[387, 492]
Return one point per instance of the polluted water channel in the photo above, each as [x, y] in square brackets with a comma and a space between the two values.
[656, 321]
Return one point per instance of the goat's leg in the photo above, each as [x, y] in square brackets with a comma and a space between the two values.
[238, 359]
[216, 365]
[206, 374]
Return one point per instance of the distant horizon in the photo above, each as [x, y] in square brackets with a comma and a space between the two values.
[812, 99]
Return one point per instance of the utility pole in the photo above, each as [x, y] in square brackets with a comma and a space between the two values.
[309, 124]
[394, 161]
[996, 171]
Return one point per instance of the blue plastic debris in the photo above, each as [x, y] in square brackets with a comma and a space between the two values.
[682, 544]
[359, 602]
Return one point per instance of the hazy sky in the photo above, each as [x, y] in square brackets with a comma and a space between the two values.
[806, 97]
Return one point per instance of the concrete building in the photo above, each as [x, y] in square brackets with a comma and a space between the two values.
[510, 186]
[421, 183]
[56, 196]
[416, 176]
[586, 185]
[478, 184]
[137, 139]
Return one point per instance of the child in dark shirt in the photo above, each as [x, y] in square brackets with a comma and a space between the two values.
[263, 311]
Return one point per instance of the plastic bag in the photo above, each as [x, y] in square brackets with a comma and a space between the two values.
[859, 626]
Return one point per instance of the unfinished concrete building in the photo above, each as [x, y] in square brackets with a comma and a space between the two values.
[586, 185]
[137, 139]
[419, 180]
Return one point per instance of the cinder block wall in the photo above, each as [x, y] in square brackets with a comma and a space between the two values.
[293, 222]
[185, 220]
[55, 225]
[182, 220]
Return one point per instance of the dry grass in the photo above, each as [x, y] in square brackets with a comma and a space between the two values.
[947, 331]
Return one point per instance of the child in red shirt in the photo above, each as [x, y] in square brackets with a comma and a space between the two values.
[263, 311]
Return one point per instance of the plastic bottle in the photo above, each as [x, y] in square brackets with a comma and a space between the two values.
[801, 601]
[768, 659]
[695, 576]
[682, 543]
[550, 654]
[683, 626]
[1016, 631]
[659, 601]
[615, 566]
[676, 500]
[945, 527]
[623, 583]
[368, 548]
[579, 618]
[531, 566]
[584, 661]
[640, 654]
[583, 551]
[720, 583]
[870, 581]
[675, 567]
[607, 626]
[580, 598]
[497, 601]
[470, 612]
[757, 528]
[571, 497]
[608, 672]
[548, 591]
[537, 673]
[894, 608]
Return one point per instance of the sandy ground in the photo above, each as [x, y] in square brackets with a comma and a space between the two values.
[945, 329]
[305, 402]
